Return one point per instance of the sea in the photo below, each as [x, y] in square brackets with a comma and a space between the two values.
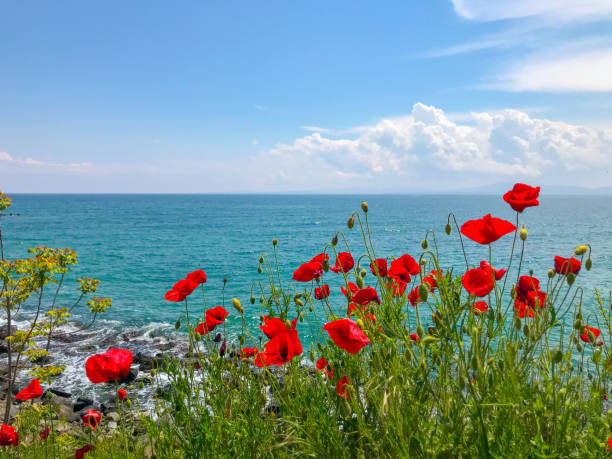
[138, 246]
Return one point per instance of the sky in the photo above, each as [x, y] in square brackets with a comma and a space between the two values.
[305, 97]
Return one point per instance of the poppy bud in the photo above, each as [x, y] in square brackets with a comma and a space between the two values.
[237, 305]
[261, 299]
[252, 299]
[359, 281]
[513, 292]
[581, 250]
[217, 338]
[591, 337]
[364, 207]
[288, 323]
[299, 302]
[274, 242]
[312, 355]
[177, 325]
[196, 336]
[574, 338]
[589, 264]
[222, 349]
[579, 315]
[448, 228]
[152, 372]
[579, 347]
[557, 355]
[577, 324]
[360, 324]
[551, 273]
[261, 260]
[334, 240]
[429, 339]
[301, 316]
[526, 329]
[517, 323]
[259, 270]
[583, 329]
[420, 330]
[523, 234]
[571, 277]
[424, 244]
[431, 329]
[325, 265]
[350, 222]
[128, 402]
[141, 386]
[363, 273]
[423, 291]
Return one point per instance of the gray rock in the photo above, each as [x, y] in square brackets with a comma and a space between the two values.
[81, 403]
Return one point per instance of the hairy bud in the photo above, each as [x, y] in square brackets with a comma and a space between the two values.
[424, 244]
[334, 240]
[364, 207]
[274, 242]
[237, 306]
[589, 264]
[423, 291]
[448, 228]
[523, 234]
[551, 273]
[581, 250]
[359, 281]
[571, 277]
[350, 222]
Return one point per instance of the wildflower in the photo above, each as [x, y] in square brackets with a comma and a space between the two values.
[381, 265]
[217, 338]
[33, 390]
[199, 277]
[590, 334]
[477, 282]
[341, 388]
[121, 394]
[609, 444]
[308, 271]
[45, 433]
[352, 288]
[79, 453]
[181, 290]
[284, 343]
[480, 306]
[347, 335]
[222, 349]
[486, 229]
[414, 297]
[92, 419]
[352, 307]
[397, 288]
[415, 337]
[567, 265]
[321, 364]
[432, 279]
[498, 273]
[344, 263]
[322, 292]
[249, 352]
[238, 306]
[365, 295]
[402, 267]
[197, 366]
[113, 365]
[522, 196]
[213, 317]
[320, 258]
[8, 436]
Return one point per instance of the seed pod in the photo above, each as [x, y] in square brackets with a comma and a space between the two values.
[177, 325]
[196, 336]
[241, 340]
[523, 234]
[557, 355]
[526, 329]
[448, 228]
[579, 347]
[274, 242]
[222, 349]
[312, 355]
[420, 330]
[237, 306]
[359, 281]
[589, 264]
[350, 222]
[513, 292]
[423, 291]
[364, 207]
[424, 244]
[299, 302]
[581, 250]
[261, 260]
[325, 265]
[571, 277]
[429, 339]
[577, 324]
[551, 273]
[252, 299]
[301, 316]
[259, 270]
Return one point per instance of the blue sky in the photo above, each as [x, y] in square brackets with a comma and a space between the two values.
[304, 96]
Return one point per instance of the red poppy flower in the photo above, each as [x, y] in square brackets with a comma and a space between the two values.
[45, 433]
[522, 196]
[79, 453]
[280, 349]
[215, 316]
[121, 394]
[347, 335]
[321, 292]
[321, 364]
[415, 337]
[341, 388]
[432, 279]
[381, 265]
[480, 306]
[522, 309]
[536, 298]
[498, 273]
[414, 297]
[352, 307]
[181, 290]
[330, 373]
[365, 295]
[402, 267]
[320, 258]
[352, 288]
[397, 287]
[92, 419]
[527, 284]
[567, 265]
[308, 271]
[585, 336]
[486, 229]
[113, 365]
[477, 282]
[274, 326]
[198, 276]
[344, 263]
[248, 352]
[609, 444]
[33, 390]
[8, 436]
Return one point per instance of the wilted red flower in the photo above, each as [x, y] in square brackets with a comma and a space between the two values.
[477, 282]
[498, 273]
[121, 394]
[308, 271]
[585, 336]
[284, 343]
[522, 196]
[320, 258]
[330, 373]
[248, 352]
[486, 229]
[198, 276]
[402, 267]
[480, 306]
[92, 419]
[33, 390]
[347, 335]
[415, 337]
[321, 364]
[321, 292]
[8, 436]
[365, 295]
[381, 264]
[45, 433]
[414, 297]
[352, 288]
[181, 290]
[344, 263]
[113, 365]
[79, 453]
[341, 388]
[567, 265]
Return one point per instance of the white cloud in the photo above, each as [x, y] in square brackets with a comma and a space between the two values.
[30, 163]
[560, 10]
